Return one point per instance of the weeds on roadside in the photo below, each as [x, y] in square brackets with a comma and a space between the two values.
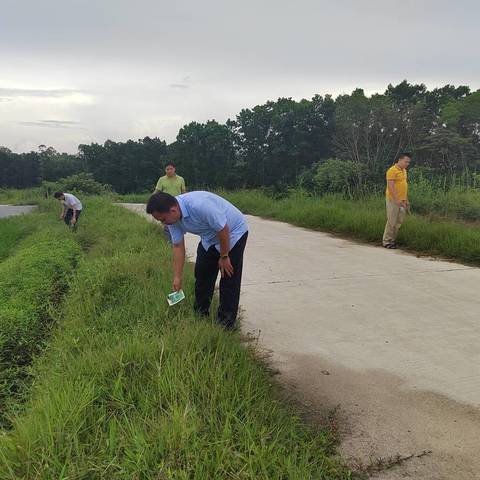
[364, 219]
[129, 388]
[32, 282]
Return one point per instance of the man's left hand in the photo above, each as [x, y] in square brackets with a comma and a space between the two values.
[225, 266]
[73, 221]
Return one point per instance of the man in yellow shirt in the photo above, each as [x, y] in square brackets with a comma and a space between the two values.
[171, 183]
[397, 198]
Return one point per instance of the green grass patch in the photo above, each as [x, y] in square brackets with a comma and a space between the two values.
[365, 220]
[134, 197]
[13, 230]
[132, 389]
[457, 203]
[32, 281]
[28, 196]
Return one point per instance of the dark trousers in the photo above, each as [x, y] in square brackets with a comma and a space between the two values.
[206, 272]
[68, 216]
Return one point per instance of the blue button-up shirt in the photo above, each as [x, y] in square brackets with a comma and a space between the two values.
[205, 214]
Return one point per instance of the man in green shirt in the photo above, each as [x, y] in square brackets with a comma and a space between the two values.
[171, 182]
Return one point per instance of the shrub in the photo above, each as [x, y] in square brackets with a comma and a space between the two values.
[339, 176]
[79, 183]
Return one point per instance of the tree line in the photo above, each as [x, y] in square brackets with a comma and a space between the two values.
[282, 142]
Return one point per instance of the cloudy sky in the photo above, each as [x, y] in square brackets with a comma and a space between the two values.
[81, 71]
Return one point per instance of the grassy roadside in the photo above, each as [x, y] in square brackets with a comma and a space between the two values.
[134, 197]
[28, 196]
[444, 226]
[13, 230]
[456, 203]
[365, 220]
[129, 389]
[33, 278]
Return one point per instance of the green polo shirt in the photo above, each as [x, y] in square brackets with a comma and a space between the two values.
[173, 185]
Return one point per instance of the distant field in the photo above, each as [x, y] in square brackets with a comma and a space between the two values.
[124, 387]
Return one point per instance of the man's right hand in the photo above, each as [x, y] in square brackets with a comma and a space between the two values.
[62, 217]
[177, 284]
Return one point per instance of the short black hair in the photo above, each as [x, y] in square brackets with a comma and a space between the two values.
[161, 202]
[58, 194]
[402, 155]
[170, 164]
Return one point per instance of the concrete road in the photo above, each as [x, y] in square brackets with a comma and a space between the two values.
[11, 210]
[388, 340]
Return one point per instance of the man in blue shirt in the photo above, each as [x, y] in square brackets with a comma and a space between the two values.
[223, 233]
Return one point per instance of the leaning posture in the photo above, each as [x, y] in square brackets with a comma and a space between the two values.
[223, 233]
[72, 208]
[397, 199]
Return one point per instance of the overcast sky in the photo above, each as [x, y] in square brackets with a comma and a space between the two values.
[81, 71]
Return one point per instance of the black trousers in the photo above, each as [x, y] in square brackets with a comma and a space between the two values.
[68, 216]
[206, 272]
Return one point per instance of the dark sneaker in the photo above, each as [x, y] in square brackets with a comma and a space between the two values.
[226, 321]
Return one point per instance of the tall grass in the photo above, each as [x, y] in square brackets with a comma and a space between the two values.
[13, 230]
[32, 281]
[134, 197]
[132, 389]
[455, 203]
[365, 220]
[30, 196]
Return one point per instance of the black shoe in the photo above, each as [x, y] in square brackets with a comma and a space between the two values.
[391, 246]
[226, 321]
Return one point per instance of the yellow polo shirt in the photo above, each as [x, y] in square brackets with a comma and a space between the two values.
[173, 185]
[399, 176]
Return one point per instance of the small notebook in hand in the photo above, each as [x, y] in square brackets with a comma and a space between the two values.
[175, 297]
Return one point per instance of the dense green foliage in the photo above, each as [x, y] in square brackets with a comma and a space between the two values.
[81, 183]
[129, 388]
[13, 230]
[32, 281]
[276, 143]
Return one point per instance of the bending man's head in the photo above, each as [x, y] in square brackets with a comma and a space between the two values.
[164, 208]
[59, 195]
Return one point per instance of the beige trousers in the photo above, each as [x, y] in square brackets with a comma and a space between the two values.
[395, 218]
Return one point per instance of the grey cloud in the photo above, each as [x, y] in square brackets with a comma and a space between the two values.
[50, 123]
[137, 61]
[251, 38]
[27, 92]
[60, 122]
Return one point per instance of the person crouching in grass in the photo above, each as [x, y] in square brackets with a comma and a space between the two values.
[396, 198]
[223, 232]
[72, 208]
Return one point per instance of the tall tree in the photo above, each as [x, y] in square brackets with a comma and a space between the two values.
[205, 155]
[128, 167]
